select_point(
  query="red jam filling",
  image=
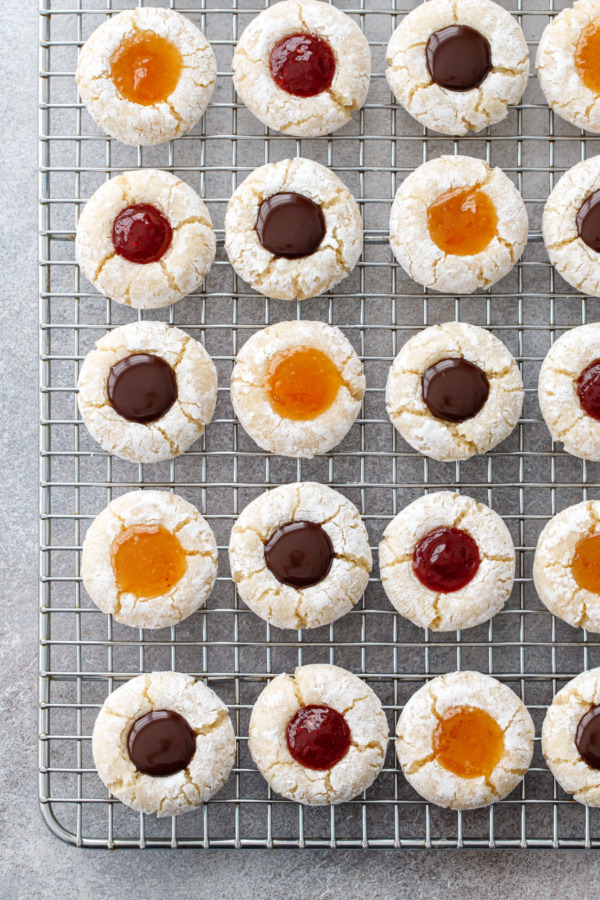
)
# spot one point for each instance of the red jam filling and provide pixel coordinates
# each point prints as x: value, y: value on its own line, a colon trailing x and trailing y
x: 588, y: 389
x: 141, y: 234
x: 318, y: 737
x: 302, y: 65
x: 446, y: 560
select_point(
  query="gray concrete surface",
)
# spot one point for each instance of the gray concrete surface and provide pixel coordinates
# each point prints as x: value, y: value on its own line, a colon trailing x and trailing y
x: 33, y: 863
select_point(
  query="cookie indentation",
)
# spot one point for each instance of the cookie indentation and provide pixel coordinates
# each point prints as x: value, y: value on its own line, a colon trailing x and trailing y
x: 587, y: 56
x: 318, y: 737
x: 588, y: 222
x: 588, y: 389
x: 161, y: 743
x: 302, y: 383
x: 585, y: 564
x: 468, y: 742
x: 462, y: 221
x: 148, y: 560
x: 302, y: 65
x: 587, y: 738
x: 146, y: 68
x: 446, y: 560
x: 290, y: 225
x: 459, y: 58
x: 455, y: 389
x: 299, y: 554
x: 141, y: 234
x: 142, y: 388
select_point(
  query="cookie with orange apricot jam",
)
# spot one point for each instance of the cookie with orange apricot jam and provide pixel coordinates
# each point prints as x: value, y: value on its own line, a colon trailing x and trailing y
x: 464, y: 740
x: 566, y: 568
x: 458, y: 225
x: 568, y: 64
x: 149, y: 559
x: 146, y: 75
x: 297, y: 387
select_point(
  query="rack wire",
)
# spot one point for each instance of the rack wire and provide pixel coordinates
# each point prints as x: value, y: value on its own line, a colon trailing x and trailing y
x: 84, y: 654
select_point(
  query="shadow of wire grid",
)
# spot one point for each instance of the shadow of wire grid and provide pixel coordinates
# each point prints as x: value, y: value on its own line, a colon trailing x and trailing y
x: 85, y: 655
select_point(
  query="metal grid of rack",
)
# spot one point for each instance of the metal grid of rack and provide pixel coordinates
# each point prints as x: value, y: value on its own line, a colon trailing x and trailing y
x: 84, y: 654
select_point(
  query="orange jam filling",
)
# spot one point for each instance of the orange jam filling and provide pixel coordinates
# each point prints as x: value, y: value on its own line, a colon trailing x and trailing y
x: 302, y: 384
x: 468, y: 742
x: 587, y: 56
x: 147, y: 560
x: 146, y: 68
x: 462, y: 221
x: 585, y: 564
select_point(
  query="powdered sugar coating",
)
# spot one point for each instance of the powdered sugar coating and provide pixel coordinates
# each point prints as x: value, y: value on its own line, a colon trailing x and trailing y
x: 294, y: 279
x: 566, y: 419
x: 454, y: 440
x: 482, y: 597
x: 250, y: 399
x: 183, y: 266
x: 209, y: 767
x: 324, y: 685
x: 574, y: 260
x: 569, y: 706
x: 280, y: 604
x: 552, y: 573
x: 302, y: 116
x: 191, y: 530
x: 134, y: 123
x: 559, y: 79
x: 421, y: 257
x: 184, y: 422
x: 417, y: 724
x: 458, y: 112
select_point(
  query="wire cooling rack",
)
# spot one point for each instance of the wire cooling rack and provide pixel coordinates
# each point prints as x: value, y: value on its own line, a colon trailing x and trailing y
x: 84, y: 654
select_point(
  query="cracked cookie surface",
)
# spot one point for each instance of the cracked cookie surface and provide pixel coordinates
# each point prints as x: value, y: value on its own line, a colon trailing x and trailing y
x: 490, y: 586
x: 207, y: 770
x: 250, y: 399
x: 150, y: 508
x: 184, y: 264
x: 415, y: 740
x: 294, y: 115
x: 576, y: 261
x: 552, y: 570
x: 344, y: 692
x: 423, y: 259
x: 134, y: 123
x: 291, y: 279
x: 558, y: 74
x: 448, y: 440
x: 181, y: 425
x: 563, y: 413
x: 285, y: 605
x: 452, y: 111
x: 559, y: 731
